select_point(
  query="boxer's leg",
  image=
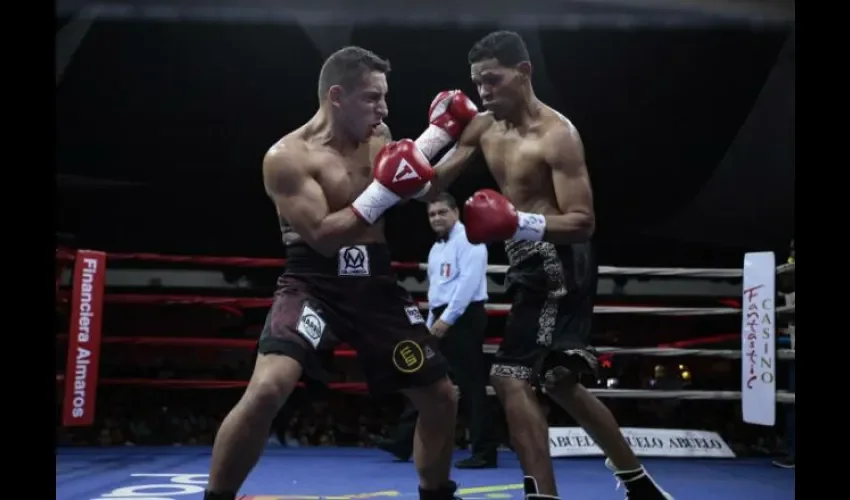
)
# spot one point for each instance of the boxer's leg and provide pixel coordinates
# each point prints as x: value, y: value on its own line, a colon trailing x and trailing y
x: 403, y: 357
x: 294, y: 327
x: 511, y: 375
x: 562, y: 372
x: 594, y: 417
x: 245, y: 430
x: 527, y: 426
x: 433, y: 442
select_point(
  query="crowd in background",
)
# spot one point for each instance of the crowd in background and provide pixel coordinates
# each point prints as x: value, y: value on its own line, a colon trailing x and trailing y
x: 315, y: 416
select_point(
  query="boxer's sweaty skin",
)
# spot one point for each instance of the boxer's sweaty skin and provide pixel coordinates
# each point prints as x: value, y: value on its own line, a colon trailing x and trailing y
x: 525, y: 162
x: 536, y: 158
x: 338, y: 178
x: 519, y: 160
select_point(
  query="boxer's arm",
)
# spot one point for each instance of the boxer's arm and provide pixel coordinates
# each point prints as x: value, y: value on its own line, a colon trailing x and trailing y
x: 564, y: 152
x: 301, y: 201
x: 458, y: 158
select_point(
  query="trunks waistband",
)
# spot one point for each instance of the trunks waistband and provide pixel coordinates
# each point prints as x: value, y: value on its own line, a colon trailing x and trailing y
x: 365, y: 260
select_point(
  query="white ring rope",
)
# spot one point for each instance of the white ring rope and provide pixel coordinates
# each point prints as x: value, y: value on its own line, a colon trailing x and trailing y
x: 781, y: 396
x: 663, y: 352
x: 657, y: 311
x: 655, y: 271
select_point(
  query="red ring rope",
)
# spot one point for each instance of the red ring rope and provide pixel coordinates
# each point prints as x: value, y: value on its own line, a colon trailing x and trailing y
x: 68, y: 255
x: 222, y: 302
x: 84, y: 335
x: 207, y: 384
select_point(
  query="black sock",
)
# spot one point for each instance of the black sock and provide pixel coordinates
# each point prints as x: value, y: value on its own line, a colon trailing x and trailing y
x: 444, y: 492
x: 628, y: 476
x: 218, y: 495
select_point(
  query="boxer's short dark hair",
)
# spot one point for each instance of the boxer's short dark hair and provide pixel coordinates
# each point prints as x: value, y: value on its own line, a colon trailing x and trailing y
x: 347, y: 66
x: 507, y: 47
x: 446, y: 198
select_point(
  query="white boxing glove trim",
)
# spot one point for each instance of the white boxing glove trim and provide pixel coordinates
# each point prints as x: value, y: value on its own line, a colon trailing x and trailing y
x: 374, y: 201
x: 432, y: 141
x: 531, y: 227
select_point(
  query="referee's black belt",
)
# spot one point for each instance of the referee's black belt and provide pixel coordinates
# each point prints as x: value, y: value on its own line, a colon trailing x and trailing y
x: 437, y: 311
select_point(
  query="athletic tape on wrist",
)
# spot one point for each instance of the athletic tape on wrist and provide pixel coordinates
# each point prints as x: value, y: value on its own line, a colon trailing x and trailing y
x: 531, y: 227
x: 374, y: 201
x: 432, y: 141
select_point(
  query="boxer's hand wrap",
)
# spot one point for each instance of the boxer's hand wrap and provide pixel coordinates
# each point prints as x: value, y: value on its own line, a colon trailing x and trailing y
x: 432, y: 141
x: 373, y: 202
x: 530, y: 227
x: 450, y: 112
x: 400, y: 171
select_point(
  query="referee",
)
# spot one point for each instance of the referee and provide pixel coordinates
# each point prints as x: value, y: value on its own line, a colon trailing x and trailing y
x: 457, y: 292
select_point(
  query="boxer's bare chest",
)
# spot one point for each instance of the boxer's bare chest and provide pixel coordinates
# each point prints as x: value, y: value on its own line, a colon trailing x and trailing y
x: 518, y: 166
x: 343, y: 178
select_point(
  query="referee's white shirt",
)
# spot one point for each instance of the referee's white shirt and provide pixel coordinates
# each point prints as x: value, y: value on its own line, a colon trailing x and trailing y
x: 457, y: 275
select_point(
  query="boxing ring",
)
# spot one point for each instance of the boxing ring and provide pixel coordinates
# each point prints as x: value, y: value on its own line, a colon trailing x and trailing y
x: 168, y: 473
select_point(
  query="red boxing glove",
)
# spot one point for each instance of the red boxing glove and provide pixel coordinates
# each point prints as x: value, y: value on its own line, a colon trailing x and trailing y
x: 451, y: 110
x: 489, y: 217
x: 401, y: 171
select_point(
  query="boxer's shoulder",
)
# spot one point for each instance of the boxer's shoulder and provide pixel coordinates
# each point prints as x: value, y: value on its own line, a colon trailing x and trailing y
x: 295, y: 153
x: 286, y: 154
x: 481, y: 123
x: 555, y: 127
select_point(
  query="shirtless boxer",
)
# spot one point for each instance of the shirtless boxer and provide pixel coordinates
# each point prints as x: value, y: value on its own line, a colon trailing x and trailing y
x: 338, y: 279
x: 537, y: 159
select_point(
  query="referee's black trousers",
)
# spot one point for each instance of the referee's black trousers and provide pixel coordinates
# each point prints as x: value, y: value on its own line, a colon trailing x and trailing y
x: 462, y: 347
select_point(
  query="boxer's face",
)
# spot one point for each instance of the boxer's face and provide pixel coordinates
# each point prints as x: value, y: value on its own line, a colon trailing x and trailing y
x: 501, y: 87
x: 363, y: 108
x: 442, y: 217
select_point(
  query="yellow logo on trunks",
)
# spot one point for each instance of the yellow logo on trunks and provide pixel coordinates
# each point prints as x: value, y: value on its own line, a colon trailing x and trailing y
x: 408, y: 356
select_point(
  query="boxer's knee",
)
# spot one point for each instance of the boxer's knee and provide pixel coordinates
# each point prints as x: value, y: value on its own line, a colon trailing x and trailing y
x: 565, y: 370
x: 559, y: 379
x: 273, y: 380
x: 510, y: 380
x: 438, y: 398
x: 505, y: 373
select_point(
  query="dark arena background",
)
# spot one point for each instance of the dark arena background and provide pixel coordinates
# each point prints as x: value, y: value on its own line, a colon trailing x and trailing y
x: 165, y: 110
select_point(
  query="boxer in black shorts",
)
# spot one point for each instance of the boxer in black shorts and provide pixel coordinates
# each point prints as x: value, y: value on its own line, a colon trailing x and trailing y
x: 545, y: 215
x: 353, y: 297
x: 552, y: 288
x: 331, y: 180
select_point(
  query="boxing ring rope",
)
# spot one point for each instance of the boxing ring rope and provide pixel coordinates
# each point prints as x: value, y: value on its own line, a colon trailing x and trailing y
x: 66, y: 256
x: 490, y: 347
x: 781, y: 396
x: 493, y: 309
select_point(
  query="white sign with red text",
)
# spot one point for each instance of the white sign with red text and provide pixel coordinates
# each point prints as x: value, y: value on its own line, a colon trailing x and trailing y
x: 758, y: 339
